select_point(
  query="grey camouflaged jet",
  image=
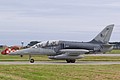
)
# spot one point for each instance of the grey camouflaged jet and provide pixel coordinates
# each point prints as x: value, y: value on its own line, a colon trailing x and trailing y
x: 70, y: 50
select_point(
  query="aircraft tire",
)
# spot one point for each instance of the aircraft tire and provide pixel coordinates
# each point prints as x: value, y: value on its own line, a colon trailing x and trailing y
x: 21, y: 55
x: 31, y: 60
x: 73, y: 61
x: 68, y: 60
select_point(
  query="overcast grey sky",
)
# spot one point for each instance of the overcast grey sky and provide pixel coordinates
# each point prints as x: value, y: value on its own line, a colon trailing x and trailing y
x: 79, y: 20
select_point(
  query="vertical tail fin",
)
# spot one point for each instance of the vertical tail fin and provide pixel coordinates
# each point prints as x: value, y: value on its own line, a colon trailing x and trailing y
x: 104, y: 35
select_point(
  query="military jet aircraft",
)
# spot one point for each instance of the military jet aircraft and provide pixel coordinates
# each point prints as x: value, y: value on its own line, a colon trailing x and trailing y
x: 70, y: 50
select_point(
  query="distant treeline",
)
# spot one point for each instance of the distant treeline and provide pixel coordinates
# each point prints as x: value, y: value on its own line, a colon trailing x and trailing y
x: 116, y: 45
x: 1, y: 46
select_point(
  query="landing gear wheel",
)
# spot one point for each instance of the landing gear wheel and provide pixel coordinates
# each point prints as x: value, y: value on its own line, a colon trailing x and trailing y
x: 73, y: 61
x: 21, y: 55
x: 70, y: 61
x: 31, y: 60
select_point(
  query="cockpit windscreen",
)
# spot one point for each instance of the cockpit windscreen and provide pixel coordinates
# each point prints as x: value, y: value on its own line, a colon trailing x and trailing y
x: 46, y: 44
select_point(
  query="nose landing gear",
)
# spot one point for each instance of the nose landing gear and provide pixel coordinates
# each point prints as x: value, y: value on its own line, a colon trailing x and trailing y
x: 31, y: 60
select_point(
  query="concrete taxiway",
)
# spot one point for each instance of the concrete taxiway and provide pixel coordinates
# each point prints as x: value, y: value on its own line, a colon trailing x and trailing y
x: 62, y: 63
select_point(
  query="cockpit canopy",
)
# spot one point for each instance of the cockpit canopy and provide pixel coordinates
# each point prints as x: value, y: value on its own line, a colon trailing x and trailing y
x: 46, y: 44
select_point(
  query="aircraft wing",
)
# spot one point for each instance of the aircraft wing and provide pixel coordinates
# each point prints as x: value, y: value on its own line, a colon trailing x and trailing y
x: 70, y: 54
x: 74, y: 52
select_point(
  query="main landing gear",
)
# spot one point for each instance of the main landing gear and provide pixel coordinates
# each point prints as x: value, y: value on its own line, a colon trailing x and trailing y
x: 31, y: 60
x: 70, y: 60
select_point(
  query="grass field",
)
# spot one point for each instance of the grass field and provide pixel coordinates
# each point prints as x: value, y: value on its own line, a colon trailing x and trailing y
x: 59, y: 72
x: 114, y: 52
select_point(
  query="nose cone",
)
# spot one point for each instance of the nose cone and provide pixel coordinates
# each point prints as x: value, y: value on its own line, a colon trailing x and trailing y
x: 20, y: 52
x: 34, y: 51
